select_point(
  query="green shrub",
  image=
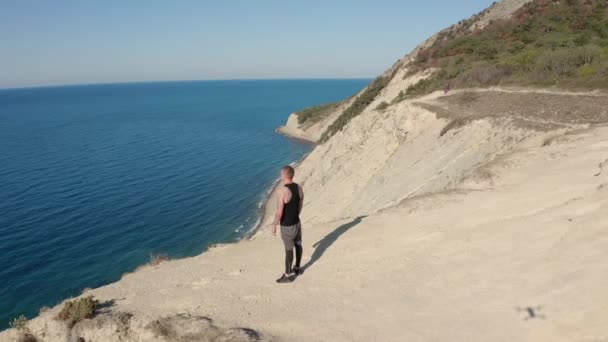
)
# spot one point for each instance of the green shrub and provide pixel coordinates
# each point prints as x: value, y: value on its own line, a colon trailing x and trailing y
x: 560, y: 42
x: 517, y: 46
x: 581, y: 40
x: 487, y: 50
x: 75, y: 311
x: 420, y: 87
x: 524, y: 61
x: 564, y: 63
x: 586, y: 71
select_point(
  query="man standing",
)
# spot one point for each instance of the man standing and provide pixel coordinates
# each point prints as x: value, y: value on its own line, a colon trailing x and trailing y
x: 289, y: 206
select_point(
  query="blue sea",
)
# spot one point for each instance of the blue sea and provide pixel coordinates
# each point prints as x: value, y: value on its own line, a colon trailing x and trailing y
x: 95, y: 179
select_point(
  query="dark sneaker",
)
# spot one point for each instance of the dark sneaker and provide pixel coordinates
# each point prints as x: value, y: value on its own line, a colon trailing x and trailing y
x: 296, y: 270
x: 284, y: 279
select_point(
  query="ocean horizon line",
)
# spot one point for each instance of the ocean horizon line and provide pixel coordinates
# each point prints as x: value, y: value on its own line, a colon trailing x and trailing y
x: 93, y: 84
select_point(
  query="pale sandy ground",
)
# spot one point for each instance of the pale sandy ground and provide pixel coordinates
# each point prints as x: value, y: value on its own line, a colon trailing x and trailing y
x: 456, y: 266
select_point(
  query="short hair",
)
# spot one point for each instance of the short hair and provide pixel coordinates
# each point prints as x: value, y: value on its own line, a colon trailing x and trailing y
x: 289, y: 171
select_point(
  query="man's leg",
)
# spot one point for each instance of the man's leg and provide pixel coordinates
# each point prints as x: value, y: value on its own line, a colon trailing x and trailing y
x: 298, y: 256
x: 287, y: 235
x: 288, y: 261
x: 298, y: 245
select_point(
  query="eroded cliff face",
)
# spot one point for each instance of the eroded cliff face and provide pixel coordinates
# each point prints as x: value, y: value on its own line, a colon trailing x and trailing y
x: 312, y: 131
x: 433, y: 143
x: 425, y: 145
x: 385, y: 156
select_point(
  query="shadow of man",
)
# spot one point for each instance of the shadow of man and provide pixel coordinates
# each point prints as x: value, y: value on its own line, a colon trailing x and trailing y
x: 322, y: 245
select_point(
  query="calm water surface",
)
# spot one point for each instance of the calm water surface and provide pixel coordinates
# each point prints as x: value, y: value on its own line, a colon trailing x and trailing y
x: 94, y: 179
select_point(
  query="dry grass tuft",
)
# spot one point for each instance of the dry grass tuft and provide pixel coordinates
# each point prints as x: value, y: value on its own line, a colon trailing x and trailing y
x: 77, y: 310
x: 25, y: 335
x: 19, y: 323
x: 185, y: 327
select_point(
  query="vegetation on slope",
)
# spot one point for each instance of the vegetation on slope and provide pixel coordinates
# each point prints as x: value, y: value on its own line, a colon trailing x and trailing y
x: 316, y: 113
x: 24, y: 333
x: 546, y: 42
x: 76, y: 310
x: 360, y: 103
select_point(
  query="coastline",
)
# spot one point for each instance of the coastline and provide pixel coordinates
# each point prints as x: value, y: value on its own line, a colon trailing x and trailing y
x: 264, y: 209
x: 300, y: 138
x: 263, y: 206
x: 292, y: 130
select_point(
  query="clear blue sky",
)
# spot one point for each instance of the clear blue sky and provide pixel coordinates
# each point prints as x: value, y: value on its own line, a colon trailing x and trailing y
x: 70, y: 42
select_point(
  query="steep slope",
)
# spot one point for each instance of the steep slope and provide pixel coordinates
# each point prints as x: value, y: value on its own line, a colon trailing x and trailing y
x: 312, y: 130
x: 431, y: 145
x: 544, y: 43
x: 408, y: 141
x: 400, y: 69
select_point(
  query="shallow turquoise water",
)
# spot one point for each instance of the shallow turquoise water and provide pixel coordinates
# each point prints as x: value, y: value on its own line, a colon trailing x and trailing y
x: 94, y: 179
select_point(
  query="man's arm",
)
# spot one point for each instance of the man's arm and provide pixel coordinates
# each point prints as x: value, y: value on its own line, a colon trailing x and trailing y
x: 279, y: 213
x: 301, y: 199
